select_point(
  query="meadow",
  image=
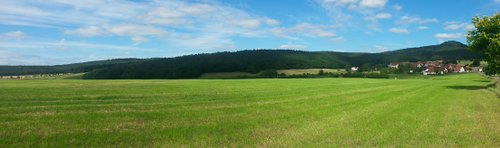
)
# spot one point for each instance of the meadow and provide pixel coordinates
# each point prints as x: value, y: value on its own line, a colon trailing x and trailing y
x: 309, y: 71
x: 446, y: 111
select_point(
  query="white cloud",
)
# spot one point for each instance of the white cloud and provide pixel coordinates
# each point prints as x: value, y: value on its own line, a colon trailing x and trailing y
x: 345, y: 13
x: 313, y: 30
x: 139, y: 39
x: 121, y: 30
x: 416, y: 20
x: 497, y: 1
x: 92, y: 18
x: 399, y: 30
x: 250, y: 23
x: 397, y: 7
x: 271, y: 22
x: 136, y: 30
x: 89, y: 31
x: 337, y: 39
x: 423, y: 28
x: 206, y: 42
x: 14, y: 35
x: 177, y: 13
x: 446, y: 36
x: 288, y: 46
x: 12, y: 58
x: 373, y: 3
x: 304, y: 30
x: 458, y: 25
x: 379, y: 48
x: 70, y: 45
x: 383, y: 16
x: 340, y: 2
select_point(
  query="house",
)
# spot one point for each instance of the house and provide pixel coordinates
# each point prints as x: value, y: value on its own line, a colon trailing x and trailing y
x: 450, y: 66
x: 433, y: 63
x: 419, y: 64
x: 432, y: 70
x: 458, y: 69
x: 354, y: 69
x: 393, y: 65
x: 477, y: 69
x: 429, y: 71
x: 416, y: 64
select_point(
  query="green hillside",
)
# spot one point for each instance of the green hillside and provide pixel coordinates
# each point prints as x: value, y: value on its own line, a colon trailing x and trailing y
x: 68, y: 68
x: 254, y: 61
x: 250, y: 61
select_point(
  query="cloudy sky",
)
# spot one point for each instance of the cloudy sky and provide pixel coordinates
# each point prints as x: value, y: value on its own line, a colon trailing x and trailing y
x: 48, y: 32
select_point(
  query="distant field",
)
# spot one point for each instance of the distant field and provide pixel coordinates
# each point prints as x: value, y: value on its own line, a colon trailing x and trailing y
x: 226, y: 75
x: 308, y: 71
x: 447, y: 111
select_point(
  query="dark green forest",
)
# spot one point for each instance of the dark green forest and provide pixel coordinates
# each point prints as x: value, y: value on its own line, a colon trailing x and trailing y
x: 252, y: 61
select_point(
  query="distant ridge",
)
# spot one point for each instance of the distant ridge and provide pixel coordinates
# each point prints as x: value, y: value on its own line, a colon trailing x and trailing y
x: 252, y: 61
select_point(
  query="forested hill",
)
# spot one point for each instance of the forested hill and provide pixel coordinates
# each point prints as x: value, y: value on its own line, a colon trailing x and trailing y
x: 253, y: 61
x: 68, y: 68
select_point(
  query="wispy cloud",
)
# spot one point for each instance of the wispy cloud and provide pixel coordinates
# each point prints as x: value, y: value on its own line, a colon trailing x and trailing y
x: 415, y: 20
x: 399, y: 30
x: 423, y: 28
x: 337, y: 39
x: 441, y: 37
x: 304, y: 30
x: 17, y: 35
x: 458, y: 25
x: 55, y: 45
x: 345, y: 12
x: 379, y: 48
x: 383, y: 16
x: 373, y: 3
x: 397, y: 7
x: 289, y: 46
x: 88, y: 31
x: 91, y: 18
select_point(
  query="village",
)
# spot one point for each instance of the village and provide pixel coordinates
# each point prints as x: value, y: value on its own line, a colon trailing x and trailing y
x: 37, y: 76
x: 438, y: 67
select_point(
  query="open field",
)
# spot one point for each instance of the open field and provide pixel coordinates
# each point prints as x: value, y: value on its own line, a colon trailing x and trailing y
x: 308, y: 71
x: 227, y: 75
x: 447, y: 111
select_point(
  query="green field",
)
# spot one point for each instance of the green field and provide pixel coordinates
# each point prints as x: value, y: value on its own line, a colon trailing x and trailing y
x: 227, y: 75
x: 447, y: 111
x: 309, y: 71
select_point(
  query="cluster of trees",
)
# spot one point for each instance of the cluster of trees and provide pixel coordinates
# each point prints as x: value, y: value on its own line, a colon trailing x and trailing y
x: 485, y: 39
x: 57, y: 69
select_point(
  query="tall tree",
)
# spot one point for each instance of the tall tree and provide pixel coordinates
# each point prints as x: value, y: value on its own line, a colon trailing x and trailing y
x: 486, y: 40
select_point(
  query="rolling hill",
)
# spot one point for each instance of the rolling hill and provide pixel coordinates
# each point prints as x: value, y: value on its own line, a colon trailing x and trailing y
x: 252, y: 61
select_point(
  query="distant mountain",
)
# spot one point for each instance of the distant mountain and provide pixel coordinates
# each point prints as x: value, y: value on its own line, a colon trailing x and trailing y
x: 253, y: 61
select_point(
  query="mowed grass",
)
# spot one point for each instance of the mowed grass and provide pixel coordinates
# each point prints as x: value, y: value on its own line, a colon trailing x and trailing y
x: 450, y: 111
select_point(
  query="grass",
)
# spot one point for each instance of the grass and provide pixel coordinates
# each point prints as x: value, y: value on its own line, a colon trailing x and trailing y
x: 447, y: 111
x: 227, y: 75
x: 308, y: 71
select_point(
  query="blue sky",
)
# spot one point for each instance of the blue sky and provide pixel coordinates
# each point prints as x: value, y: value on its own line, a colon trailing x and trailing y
x: 49, y: 32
